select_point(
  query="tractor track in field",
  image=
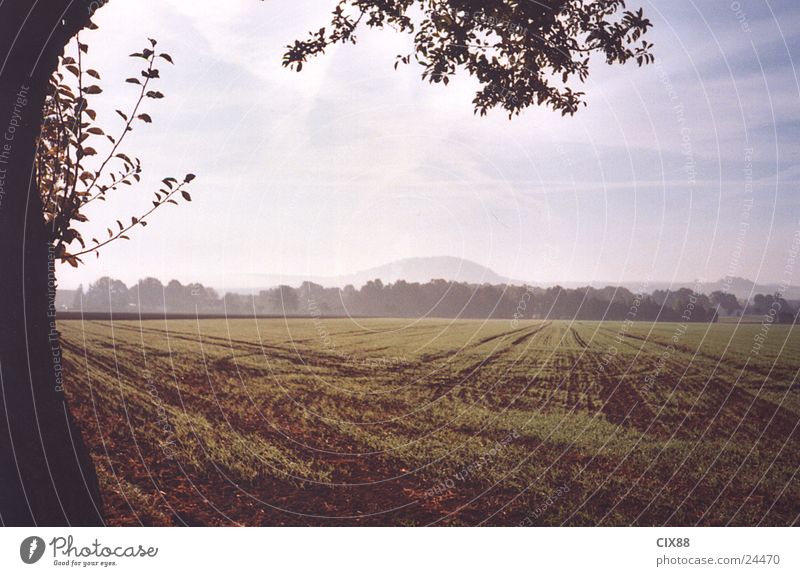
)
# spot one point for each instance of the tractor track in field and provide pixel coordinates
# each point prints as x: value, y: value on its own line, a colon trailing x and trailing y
x: 721, y: 396
x: 729, y: 364
x: 243, y: 348
x: 581, y: 342
x: 530, y: 334
x: 499, y: 386
x: 621, y: 402
x: 500, y: 350
x: 433, y: 358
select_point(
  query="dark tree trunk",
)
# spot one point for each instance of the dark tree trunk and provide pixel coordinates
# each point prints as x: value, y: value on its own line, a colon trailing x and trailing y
x: 46, y: 474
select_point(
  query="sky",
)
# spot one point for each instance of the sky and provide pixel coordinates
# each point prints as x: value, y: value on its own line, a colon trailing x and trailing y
x: 683, y: 170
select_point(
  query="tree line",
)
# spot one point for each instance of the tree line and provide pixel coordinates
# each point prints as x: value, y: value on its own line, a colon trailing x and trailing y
x: 437, y: 298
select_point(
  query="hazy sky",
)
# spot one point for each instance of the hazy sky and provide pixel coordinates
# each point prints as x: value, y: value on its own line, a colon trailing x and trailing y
x: 351, y: 164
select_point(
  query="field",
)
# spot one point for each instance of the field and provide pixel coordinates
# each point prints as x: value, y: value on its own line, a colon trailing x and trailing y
x: 403, y: 422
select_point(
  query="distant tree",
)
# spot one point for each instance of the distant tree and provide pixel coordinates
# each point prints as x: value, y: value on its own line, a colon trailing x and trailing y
x: 785, y: 313
x: 726, y: 301
x: 773, y: 307
x: 370, y: 297
x: 202, y: 298
x: 236, y: 304
x: 176, y: 297
x: 264, y: 301
x: 761, y: 303
x: 286, y: 299
x: 106, y: 295
x: 77, y: 299
x: 148, y: 294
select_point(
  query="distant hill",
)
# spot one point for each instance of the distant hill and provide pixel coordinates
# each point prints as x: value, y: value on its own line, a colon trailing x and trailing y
x: 409, y: 269
x: 424, y: 270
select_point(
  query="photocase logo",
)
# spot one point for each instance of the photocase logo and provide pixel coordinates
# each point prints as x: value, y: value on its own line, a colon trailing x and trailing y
x: 31, y: 550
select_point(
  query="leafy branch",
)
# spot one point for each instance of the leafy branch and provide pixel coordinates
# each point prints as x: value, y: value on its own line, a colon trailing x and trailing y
x: 71, y: 173
x: 163, y: 196
x: 521, y: 53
